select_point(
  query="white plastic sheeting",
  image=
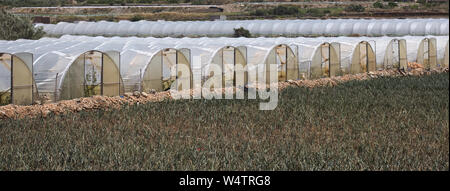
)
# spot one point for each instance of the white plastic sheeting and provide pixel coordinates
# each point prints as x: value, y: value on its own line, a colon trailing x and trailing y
x: 443, y: 53
x: 5, y: 67
x: 5, y: 77
x: 136, y: 54
x: 54, y: 55
x: 16, y: 78
x: 329, y: 27
x: 52, y: 58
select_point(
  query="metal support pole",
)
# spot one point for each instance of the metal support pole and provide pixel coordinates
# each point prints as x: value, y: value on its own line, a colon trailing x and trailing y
x: 12, y: 80
x: 140, y: 80
x: 101, y: 75
x: 56, y: 88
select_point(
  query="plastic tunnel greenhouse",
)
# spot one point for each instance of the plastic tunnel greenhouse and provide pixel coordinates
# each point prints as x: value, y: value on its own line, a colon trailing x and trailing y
x: 158, y: 73
x: 16, y: 78
x: 158, y: 69
x: 285, y: 60
x: 319, y: 59
x: 358, y: 57
x: 77, y: 66
x: 145, y: 65
x: 70, y: 69
x: 210, y: 56
x: 263, y: 54
x: 227, y: 59
x: 327, y: 27
x: 150, y: 63
x: 426, y: 52
x: 396, y: 54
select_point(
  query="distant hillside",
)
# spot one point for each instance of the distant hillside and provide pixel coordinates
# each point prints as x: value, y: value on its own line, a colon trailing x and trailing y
x: 113, y: 10
x: 56, y: 3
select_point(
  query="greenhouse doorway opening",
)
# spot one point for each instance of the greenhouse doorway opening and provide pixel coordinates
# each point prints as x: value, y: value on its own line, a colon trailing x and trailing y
x: 167, y: 68
x: 427, y: 53
x: 232, y: 62
x: 286, y: 63
x: 16, y: 79
x: 92, y: 73
x: 363, y: 59
x: 395, y: 55
x: 326, y: 61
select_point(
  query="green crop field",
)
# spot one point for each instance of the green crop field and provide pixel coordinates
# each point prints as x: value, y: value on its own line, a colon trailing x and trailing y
x: 380, y: 124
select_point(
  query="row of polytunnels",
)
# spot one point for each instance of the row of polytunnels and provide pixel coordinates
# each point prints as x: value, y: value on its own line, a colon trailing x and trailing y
x: 314, y: 27
x: 79, y: 66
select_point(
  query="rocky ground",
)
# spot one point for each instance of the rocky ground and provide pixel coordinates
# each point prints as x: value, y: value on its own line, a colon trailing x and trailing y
x: 103, y: 102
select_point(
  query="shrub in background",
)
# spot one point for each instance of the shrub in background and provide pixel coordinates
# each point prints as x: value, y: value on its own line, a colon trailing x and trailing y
x: 355, y: 8
x: 242, y: 32
x: 13, y: 27
x: 378, y: 4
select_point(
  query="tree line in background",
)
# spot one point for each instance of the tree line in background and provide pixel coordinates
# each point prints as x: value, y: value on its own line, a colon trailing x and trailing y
x: 14, y: 27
